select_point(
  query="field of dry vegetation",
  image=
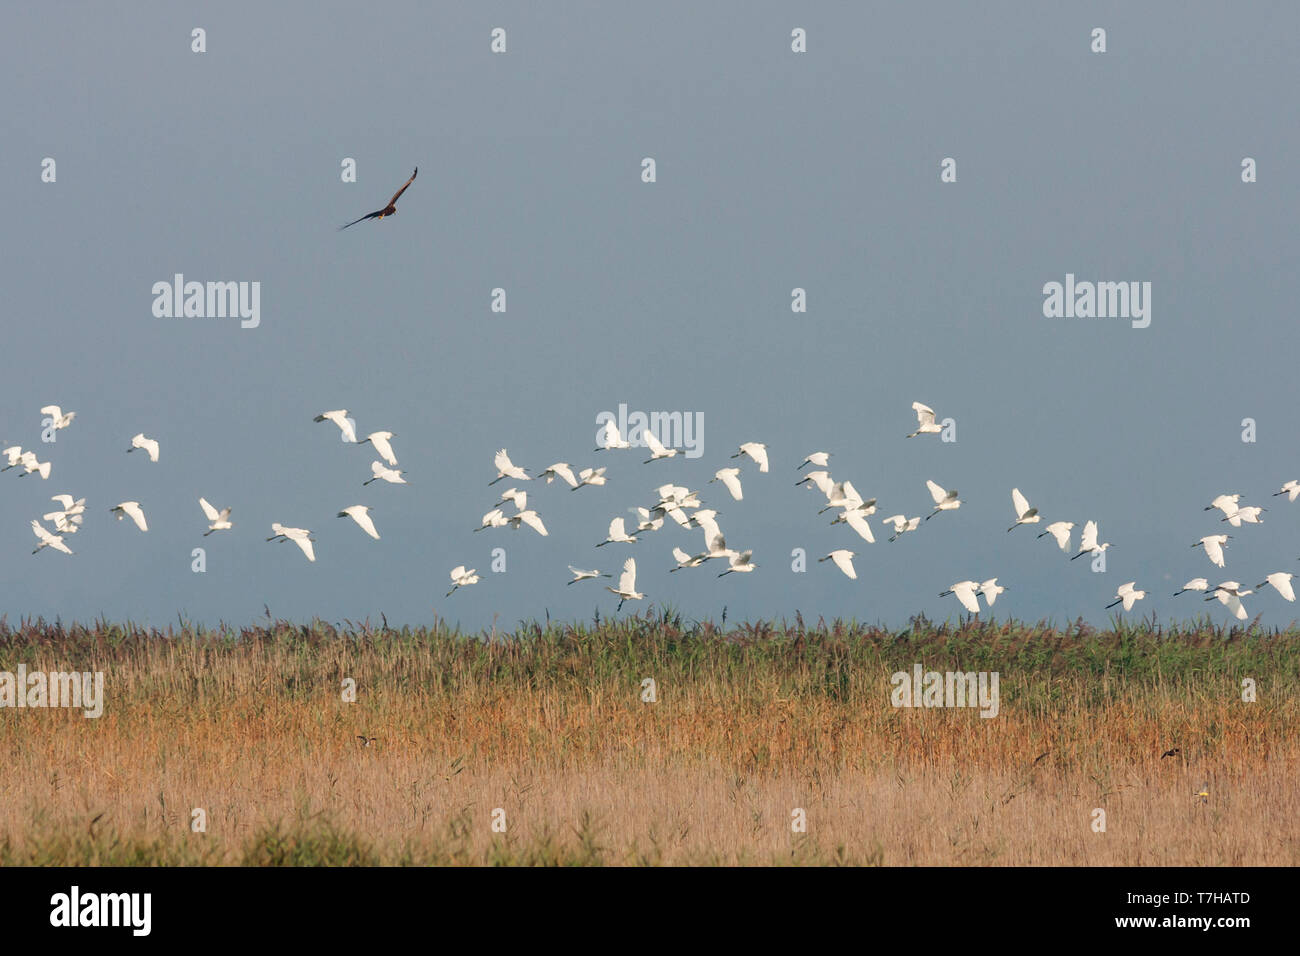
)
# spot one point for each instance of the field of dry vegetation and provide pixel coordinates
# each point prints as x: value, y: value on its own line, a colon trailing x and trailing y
x: 752, y: 721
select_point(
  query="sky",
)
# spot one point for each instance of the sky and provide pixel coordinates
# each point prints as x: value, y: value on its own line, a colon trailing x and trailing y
x: 774, y: 171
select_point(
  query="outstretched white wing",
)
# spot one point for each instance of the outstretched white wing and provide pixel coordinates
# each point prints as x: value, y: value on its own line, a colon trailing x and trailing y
x: 858, y: 522
x: 534, y: 521
x: 936, y: 492
x: 844, y: 561
x: 730, y: 479
x: 627, y: 580
x: 1020, y: 503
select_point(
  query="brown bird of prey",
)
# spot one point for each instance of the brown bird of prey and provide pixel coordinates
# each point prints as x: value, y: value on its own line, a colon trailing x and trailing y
x: 390, y: 209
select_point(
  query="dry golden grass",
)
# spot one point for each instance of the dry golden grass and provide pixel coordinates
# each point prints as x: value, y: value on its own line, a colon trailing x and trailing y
x: 549, y: 726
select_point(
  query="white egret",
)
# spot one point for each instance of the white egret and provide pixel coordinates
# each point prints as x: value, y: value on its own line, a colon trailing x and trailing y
x: 1060, y: 530
x: 1279, y: 581
x: 581, y: 575
x: 381, y: 442
x: 507, y: 469
x: 902, y: 525
x: 843, y: 559
x: 965, y: 592
x: 685, y: 560
x: 1291, y: 489
x: 391, y: 475
x: 657, y: 449
x: 132, y: 510
x: 299, y: 536
x: 1088, y: 543
x: 562, y: 471
x: 991, y: 589
x: 361, y: 515
x: 1024, y: 513
x: 739, y: 562
x: 819, y: 458
x: 755, y: 450
x: 149, y: 445
x: 495, y: 518
x: 925, y: 424
x: 57, y: 418
x: 611, y: 439
x: 943, y: 500
x: 1128, y: 595
x: 14, y: 454
x: 340, y: 418
x: 730, y: 478
x: 617, y: 534
x: 1195, y: 584
x: 530, y: 518
x: 590, y: 476
x: 460, y: 577
x: 48, y: 540
x: 1214, y: 545
x: 626, y: 590
x: 220, y: 520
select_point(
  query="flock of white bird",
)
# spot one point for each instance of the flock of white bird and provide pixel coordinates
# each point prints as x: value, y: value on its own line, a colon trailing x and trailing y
x: 68, y: 519
x: 680, y: 505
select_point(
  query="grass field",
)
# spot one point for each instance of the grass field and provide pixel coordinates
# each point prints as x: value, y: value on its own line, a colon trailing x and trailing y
x: 752, y: 721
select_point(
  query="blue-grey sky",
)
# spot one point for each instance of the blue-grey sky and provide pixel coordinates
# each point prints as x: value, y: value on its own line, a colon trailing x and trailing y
x: 775, y: 170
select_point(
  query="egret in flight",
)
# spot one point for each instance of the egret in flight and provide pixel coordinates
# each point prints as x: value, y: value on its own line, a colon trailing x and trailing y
x: 626, y: 590
x: 132, y: 510
x: 219, y: 520
x: 1088, y: 543
x: 361, y: 515
x: 149, y: 445
x: 843, y: 559
x: 1128, y: 595
x: 1060, y: 530
x: 299, y: 536
x: 507, y: 469
x: 755, y: 450
x: 925, y: 424
x: 57, y: 418
x: 1024, y: 513
x: 460, y: 577
x: 965, y: 592
x: 340, y: 418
